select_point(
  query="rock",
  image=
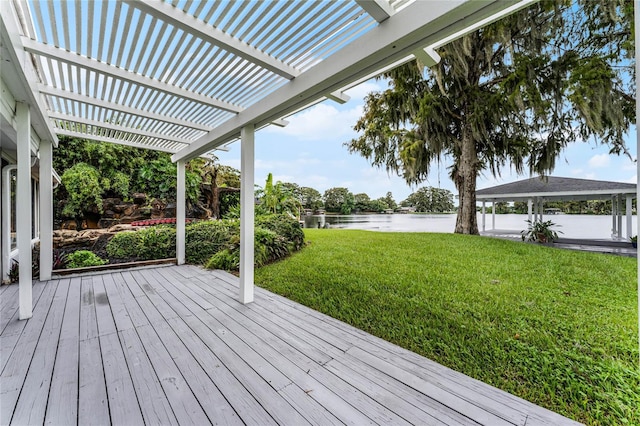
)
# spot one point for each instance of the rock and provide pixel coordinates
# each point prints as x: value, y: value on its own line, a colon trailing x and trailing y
x: 108, y: 214
x: 107, y: 222
x: 69, y: 224
x: 120, y: 227
x: 110, y: 203
x: 170, y: 210
x: 139, y: 198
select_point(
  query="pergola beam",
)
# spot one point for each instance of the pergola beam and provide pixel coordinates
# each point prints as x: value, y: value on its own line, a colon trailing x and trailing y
x: 64, y: 56
x: 65, y: 94
x: 114, y: 127
x: 99, y: 138
x: 380, y: 10
x: 173, y: 16
x: 417, y: 25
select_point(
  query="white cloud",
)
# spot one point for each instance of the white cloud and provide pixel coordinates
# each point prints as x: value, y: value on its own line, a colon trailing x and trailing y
x: 600, y: 161
x: 360, y: 91
x: 320, y: 122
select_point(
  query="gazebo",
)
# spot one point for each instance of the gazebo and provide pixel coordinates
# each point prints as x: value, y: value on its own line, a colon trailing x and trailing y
x: 536, y: 191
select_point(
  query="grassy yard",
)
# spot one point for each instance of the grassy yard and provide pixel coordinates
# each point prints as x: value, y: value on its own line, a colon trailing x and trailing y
x: 556, y: 327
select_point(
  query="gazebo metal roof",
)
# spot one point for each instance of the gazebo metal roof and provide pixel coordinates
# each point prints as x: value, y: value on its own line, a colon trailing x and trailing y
x: 184, y: 76
x: 556, y: 188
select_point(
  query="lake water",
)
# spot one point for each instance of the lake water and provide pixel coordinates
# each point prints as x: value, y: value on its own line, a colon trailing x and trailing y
x: 572, y: 226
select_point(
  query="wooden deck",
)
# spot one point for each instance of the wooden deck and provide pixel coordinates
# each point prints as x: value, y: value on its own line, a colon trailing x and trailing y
x: 171, y: 345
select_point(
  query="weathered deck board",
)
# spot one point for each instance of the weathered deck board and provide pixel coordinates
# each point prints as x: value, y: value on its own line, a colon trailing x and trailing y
x: 32, y: 403
x: 64, y: 383
x: 17, y: 366
x: 171, y: 345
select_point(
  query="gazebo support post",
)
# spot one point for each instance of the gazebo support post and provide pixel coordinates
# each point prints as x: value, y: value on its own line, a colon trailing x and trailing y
x: 483, y: 214
x: 493, y: 215
x: 247, y: 211
x: 619, y: 214
x: 629, y: 216
x: 529, y: 208
x: 181, y: 207
x: 46, y: 209
x: 614, y: 222
x: 23, y: 208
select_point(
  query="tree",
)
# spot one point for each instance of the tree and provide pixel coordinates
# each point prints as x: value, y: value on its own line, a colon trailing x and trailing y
x: 516, y: 92
x: 279, y: 198
x: 82, y: 183
x: 338, y: 200
x: 361, y: 202
x: 379, y: 205
x: 391, y: 203
x: 432, y: 200
x: 310, y: 198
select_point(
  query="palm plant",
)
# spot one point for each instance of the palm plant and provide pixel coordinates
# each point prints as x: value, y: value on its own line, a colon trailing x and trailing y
x: 276, y: 198
x: 541, y: 232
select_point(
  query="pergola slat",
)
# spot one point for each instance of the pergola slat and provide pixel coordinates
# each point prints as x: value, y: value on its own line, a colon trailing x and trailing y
x: 213, y: 35
x: 99, y: 67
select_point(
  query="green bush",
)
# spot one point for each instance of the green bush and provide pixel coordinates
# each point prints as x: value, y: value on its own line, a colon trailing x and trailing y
x: 83, y: 258
x: 269, y: 246
x: 82, y: 183
x: 124, y: 245
x: 206, y: 238
x: 227, y: 259
x: 285, y: 226
x: 157, y: 242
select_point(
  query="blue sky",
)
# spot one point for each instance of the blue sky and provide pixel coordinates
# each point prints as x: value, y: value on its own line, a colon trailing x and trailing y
x: 310, y: 152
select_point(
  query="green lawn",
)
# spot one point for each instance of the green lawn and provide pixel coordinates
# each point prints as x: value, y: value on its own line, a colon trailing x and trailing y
x: 556, y: 327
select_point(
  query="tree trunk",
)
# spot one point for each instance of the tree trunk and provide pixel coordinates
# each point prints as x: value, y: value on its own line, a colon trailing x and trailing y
x: 465, y: 179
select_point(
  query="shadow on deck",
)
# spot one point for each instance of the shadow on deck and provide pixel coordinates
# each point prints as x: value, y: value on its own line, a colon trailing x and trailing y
x: 171, y: 345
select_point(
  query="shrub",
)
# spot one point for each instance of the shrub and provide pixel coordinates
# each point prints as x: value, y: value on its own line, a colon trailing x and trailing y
x: 124, y: 245
x: 204, y: 239
x: 82, y: 183
x: 227, y: 259
x: 84, y: 258
x: 285, y: 226
x: 157, y: 242
x: 268, y: 247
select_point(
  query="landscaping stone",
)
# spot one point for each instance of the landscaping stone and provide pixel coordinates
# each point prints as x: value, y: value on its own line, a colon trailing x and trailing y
x: 139, y: 198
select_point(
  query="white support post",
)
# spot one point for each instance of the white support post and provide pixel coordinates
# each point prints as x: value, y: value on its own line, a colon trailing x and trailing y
x: 619, y: 214
x: 6, y: 220
x: 181, y: 207
x: 493, y: 215
x: 614, y: 223
x: 629, y: 216
x: 23, y: 208
x: 541, y: 209
x: 247, y: 212
x: 484, y: 211
x: 529, y: 208
x: 46, y: 209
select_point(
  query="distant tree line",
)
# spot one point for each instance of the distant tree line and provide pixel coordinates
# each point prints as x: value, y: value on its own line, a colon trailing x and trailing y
x: 342, y: 200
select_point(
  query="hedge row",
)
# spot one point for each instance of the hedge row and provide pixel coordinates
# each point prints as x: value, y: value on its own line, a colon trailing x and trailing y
x: 214, y: 243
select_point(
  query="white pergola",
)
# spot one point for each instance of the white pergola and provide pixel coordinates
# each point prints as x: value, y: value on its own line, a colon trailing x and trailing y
x: 187, y: 77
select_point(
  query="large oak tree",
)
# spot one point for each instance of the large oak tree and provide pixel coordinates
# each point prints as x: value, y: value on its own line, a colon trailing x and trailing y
x: 514, y: 93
